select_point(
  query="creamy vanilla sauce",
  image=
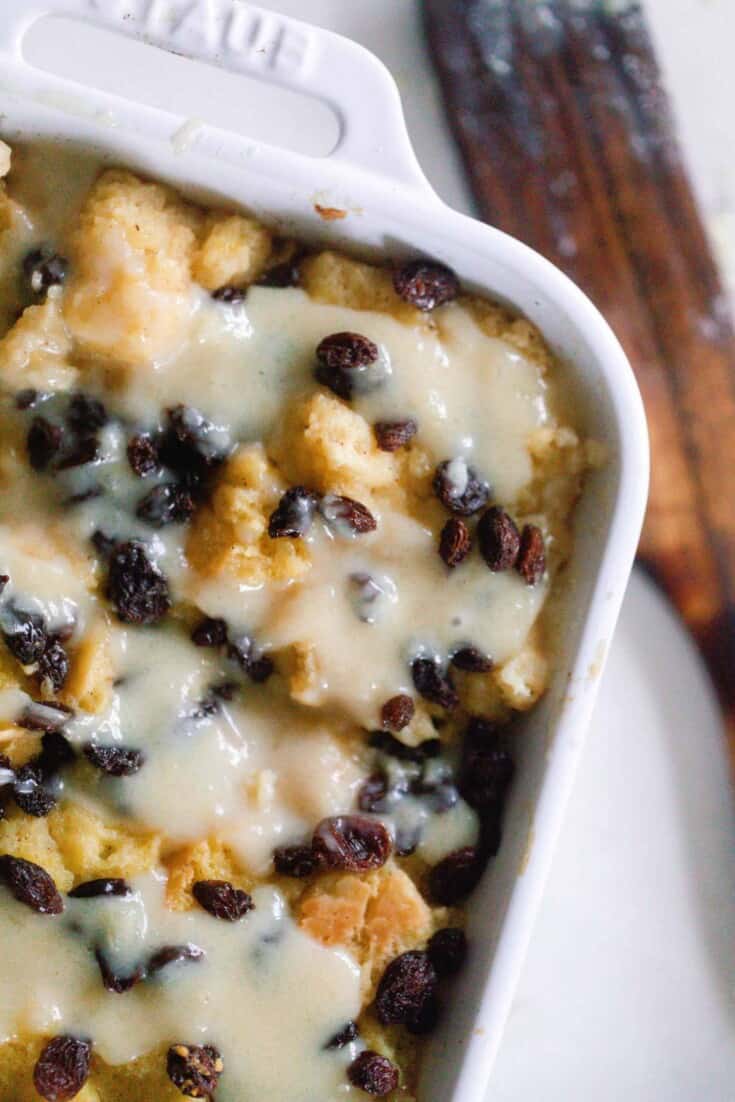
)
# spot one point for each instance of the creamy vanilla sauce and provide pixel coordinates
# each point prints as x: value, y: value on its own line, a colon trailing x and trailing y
x: 264, y: 993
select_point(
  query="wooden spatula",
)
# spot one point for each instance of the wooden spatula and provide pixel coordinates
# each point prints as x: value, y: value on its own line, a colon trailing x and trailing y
x: 569, y: 144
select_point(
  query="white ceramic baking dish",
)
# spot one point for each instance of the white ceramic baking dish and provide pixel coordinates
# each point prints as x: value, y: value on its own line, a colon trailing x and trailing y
x: 372, y: 174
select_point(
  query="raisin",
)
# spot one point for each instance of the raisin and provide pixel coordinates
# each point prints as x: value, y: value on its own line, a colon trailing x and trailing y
x: 85, y: 450
x: 392, y: 435
x: 231, y: 296
x: 293, y: 515
x: 209, y: 632
x: 62, y: 1068
x: 89, y: 494
x: 344, y: 360
x: 454, y: 877
x: 104, y: 886
x: 137, y: 588
x: 113, y: 981
x: 407, y: 984
x: 26, y: 398
x: 531, y: 561
x: 142, y: 454
x: 364, y: 592
x: 56, y: 753
x: 167, y: 503
x: 373, y: 792
x: 53, y: 667
x: 256, y: 665
x: 103, y: 543
x: 172, y: 954
x: 498, y: 538
x: 351, y: 843
x: 32, y: 885
x: 440, y: 796
x: 471, y: 660
x: 346, y: 1036
x: 385, y: 742
x: 26, y: 638
x: 397, y: 712
x: 222, y: 899
x: 30, y: 795
x: 373, y: 1073
x: 189, y: 447
x: 286, y: 274
x: 447, y: 950
x: 425, y: 283
x: 86, y: 414
x: 194, y: 1069
x: 116, y: 761
x: 39, y: 716
x: 298, y: 861
x: 432, y: 684
x: 4, y: 579
x: 44, y: 268
x: 455, y: 542
x: 487, y: 768
x: 347, y: 516
x: 459, y: 487
x: 43, y: 443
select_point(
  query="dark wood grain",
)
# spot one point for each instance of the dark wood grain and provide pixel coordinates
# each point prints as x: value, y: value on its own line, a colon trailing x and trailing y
x: 568, y: 140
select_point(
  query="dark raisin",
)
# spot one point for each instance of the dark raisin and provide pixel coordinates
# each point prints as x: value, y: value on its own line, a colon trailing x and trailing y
x: 137, y: 588
x: 498, y: 538
x: 53, y: 667
x: 231, y: 296
x: 103, y: 543
x: 293, y: 515
x: 385, y: 742
x: 392, y: 435
x: 287, y: 274
x: 116, y: 761
x: 26, y: 399
x: 167, y: 503
x: 373, y: 1073
x: 346, y: 1036
x: 89, y: 494
x: 347, y: 516
x: 344, y: 360
x: 222, y: 899
x: 407, y: 839
x: 104, y: 886
x: 406, y: 986
x: 190, y: 447
x: 455, y: 542
x: 211, y: 704
x: 471, y: 660
x: 447, y: 950
x: 351, y: 843
x: 30, y: 884
x: 115, y: 983
x: 39, y: 716
x: 425, y: 284
x: 257, y: 666
x: 298, y: 861
x: 487, y: 768
x: 373, y: 792
x: 44, y: 268
x: 4, y: 579
x: 85, y: 450
x: 143, y: 454
x: 456, y: 876
x: 26, y: 636
x: 172, y: 954
x: 439, y: 796
x: 86, y: 414
x: 364, y: 592
x: 62, y: 1069
x: 397, y: 712
x: 459, y: 487
x: 43, y: 443
x: 531, y: 561
x: 56, y: 753
x: 194, y: 1069
x: 432, y: 684
x: 30, y: 795
x: 209, y: 632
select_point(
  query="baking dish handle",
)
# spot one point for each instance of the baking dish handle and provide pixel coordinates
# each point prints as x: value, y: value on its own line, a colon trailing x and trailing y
x: 263, y: 44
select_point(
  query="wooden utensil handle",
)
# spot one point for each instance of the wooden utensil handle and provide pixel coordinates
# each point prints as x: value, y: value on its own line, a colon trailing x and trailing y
x: 569, y: 143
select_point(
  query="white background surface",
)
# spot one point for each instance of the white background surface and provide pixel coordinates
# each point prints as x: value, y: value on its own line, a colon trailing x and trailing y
x: 629, y: 989
x: 628, y: 992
